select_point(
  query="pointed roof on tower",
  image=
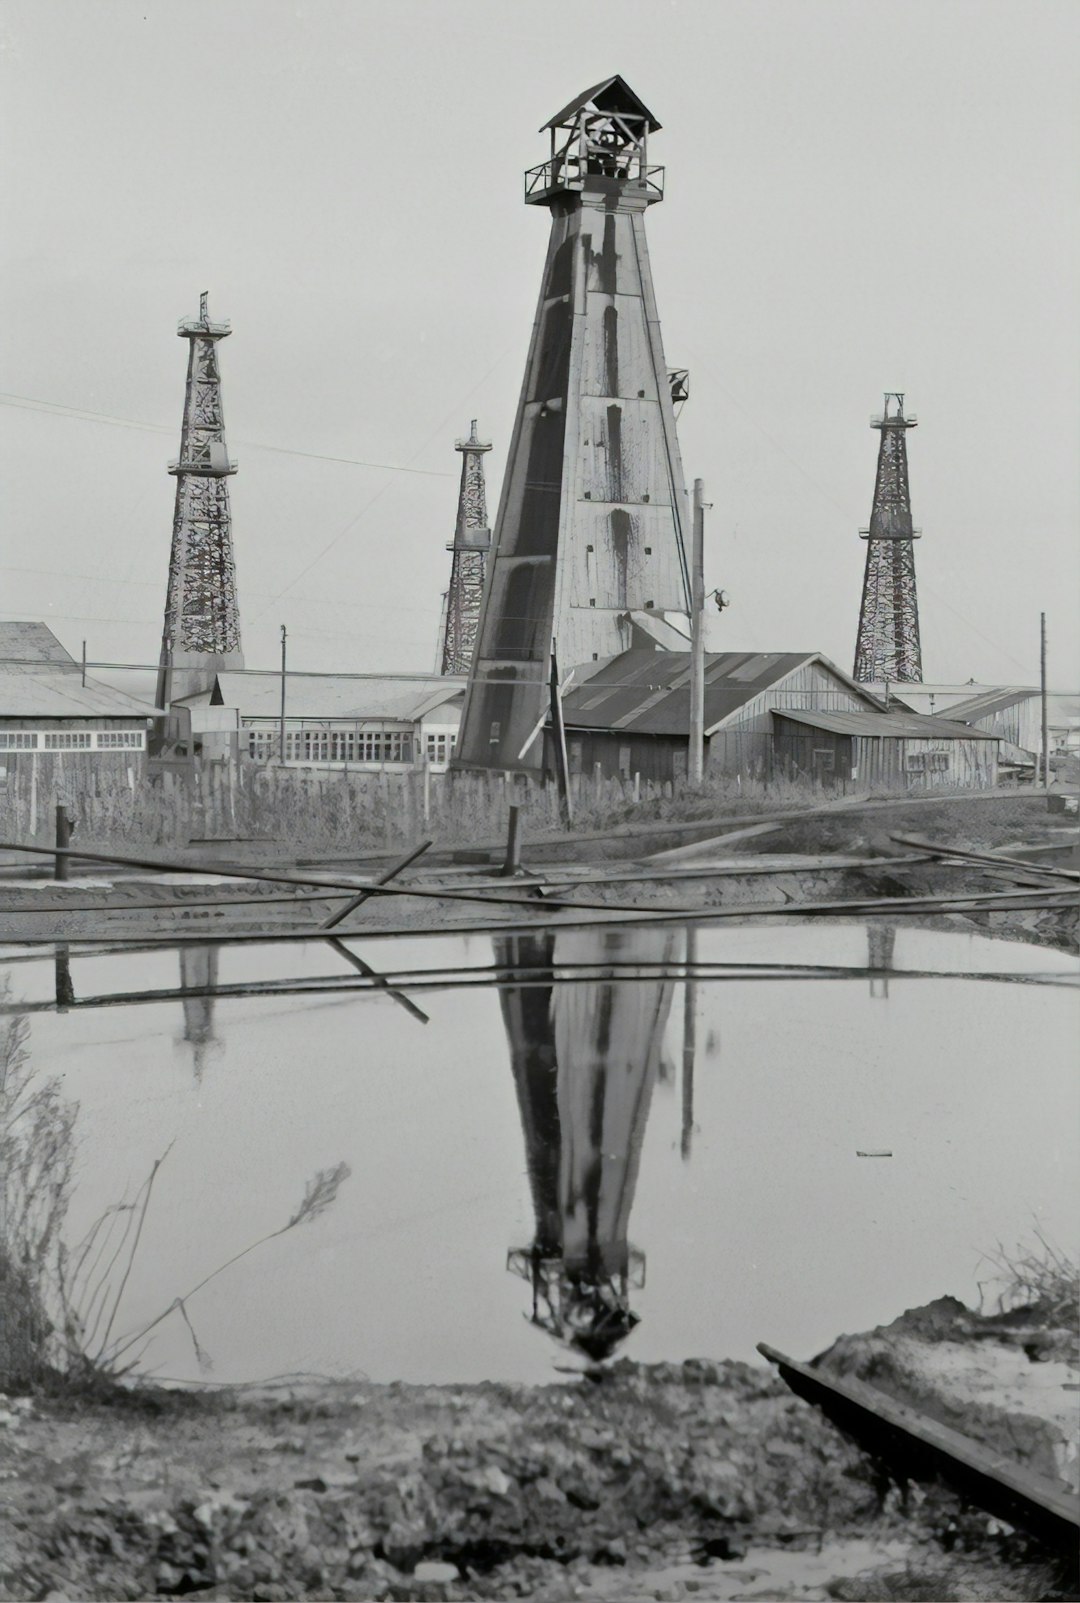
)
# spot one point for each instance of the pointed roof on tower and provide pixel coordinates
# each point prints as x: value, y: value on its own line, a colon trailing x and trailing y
x: 612, y: 95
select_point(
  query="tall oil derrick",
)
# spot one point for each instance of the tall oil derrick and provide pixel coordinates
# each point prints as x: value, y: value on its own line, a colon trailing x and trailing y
x: 887, y: 647
x: 202, y: 622
x: 585, y: 1059
x: 590, y: 523
x: 470, y: 545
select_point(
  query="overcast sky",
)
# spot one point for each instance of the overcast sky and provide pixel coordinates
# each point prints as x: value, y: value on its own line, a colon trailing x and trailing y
x: 860, y: 197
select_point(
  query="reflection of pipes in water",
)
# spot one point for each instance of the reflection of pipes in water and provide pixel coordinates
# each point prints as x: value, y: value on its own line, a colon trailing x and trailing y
x: 689, y: 1042
x: 881, y: 940
x: 199, y: 972
x: 65, y: 986
x: 584, y: 1059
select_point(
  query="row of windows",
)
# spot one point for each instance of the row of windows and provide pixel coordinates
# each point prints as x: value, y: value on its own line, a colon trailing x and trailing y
x: 72, y: 740
x: 346, y: 746
x: 927, y: 762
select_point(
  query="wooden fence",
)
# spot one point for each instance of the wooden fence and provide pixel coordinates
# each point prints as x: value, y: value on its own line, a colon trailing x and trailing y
x: 312, y: 810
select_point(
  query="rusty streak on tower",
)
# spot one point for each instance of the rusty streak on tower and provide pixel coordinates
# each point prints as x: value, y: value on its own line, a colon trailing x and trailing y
x: 470, y: 545
x: 202, y: 622
x: 888, y: 645
x: 590, y: 524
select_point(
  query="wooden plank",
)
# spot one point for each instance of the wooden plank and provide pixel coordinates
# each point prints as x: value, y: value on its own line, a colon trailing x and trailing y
x: 384, y: 879
x: 918, y: 1446
x: 940, y: 849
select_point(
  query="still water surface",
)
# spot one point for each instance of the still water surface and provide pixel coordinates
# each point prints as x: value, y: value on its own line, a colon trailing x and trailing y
x: 543, y: 1170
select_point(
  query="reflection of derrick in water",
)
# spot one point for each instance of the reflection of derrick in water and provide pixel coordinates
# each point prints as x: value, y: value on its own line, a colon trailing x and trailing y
x: 199, y: 972
x: 585, y: 1058
x: 881, y: 942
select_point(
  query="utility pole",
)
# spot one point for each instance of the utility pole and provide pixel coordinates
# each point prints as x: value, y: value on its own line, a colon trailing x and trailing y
x: 1042, y: 697
x: 696, y: 762
x: 281, y: 730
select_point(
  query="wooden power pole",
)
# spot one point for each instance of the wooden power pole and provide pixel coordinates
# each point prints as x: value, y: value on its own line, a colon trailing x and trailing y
x: 281, y: 721
x: 1042, y: 696
x: 695, y: 769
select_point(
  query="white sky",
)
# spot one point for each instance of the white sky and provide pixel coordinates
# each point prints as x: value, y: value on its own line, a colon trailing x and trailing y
x: 860, y: 197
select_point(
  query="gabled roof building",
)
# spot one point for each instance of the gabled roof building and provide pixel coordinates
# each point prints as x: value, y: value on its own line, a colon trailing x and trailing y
x: 50, y: 710
x: 766, y: 713
x: 334, y: 720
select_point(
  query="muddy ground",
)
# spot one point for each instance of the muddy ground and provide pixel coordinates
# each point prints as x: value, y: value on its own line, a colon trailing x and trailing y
x: 700, y: 1480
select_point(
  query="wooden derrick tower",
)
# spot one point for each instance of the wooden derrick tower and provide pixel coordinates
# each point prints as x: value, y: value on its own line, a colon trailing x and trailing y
x: 202, y: 621
x: 470, y: 545
x: 590, y: 523
x: 888, y: 645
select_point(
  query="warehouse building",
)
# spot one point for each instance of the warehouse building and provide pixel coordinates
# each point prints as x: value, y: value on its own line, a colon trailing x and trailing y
x: 52, y: 715
x: 362, y: 721
x: 765, y: 714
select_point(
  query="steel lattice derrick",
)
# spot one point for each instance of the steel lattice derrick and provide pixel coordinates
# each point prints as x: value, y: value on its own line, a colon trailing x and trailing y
x: 202, y: 621
x: 888, y: 646
x: 470, y: 545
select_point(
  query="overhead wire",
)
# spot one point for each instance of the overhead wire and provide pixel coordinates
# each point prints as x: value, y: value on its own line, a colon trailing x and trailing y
x: 31, y: 403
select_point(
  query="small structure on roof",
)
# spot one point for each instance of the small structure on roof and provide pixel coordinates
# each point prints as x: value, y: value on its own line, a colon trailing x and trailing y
x: 766, y: 713
x: 52, y: 714
x: 370, y: 721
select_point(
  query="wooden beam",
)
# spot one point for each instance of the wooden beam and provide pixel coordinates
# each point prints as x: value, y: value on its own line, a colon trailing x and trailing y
x: 920, y: 1447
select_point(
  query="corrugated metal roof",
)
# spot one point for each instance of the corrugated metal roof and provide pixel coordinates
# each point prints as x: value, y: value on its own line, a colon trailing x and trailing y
x: 258, y: 695
x: 989, y: 702
x: 884, y: 725
x: 648, y: 692
x: 23, y: 645
x: 60, y: 694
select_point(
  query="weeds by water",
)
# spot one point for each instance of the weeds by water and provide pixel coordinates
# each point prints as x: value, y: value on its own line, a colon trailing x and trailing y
x: 1039, y: 1279
x: 61, y: 1304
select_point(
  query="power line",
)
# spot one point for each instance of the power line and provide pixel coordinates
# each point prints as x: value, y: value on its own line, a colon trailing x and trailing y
x: 465, y: 399
x: 31, y: 403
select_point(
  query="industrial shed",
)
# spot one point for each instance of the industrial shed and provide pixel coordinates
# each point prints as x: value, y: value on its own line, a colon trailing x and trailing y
x: 892, y: 749
x: 52, y: 717
x: 631, y: 714
x: 390, y: 721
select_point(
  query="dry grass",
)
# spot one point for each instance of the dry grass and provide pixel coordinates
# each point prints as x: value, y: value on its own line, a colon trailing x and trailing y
x: 1040, y: 1280
x: 311, y: 811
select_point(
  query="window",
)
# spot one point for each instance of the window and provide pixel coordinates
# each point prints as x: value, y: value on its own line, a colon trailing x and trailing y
x: 121, y: 740
x: 69, y: 740
x: 262, y: 744
x: 823, y: 760
x: 18, y: 740
x: 440, y: 747
x: 927, y: 762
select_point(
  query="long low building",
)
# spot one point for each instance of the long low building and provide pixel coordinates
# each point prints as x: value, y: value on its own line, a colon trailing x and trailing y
x: 386, y: 721
x: 52, y: 715
x: 765, y: 714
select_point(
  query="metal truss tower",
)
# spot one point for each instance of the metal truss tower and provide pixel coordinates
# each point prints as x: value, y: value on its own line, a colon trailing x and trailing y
x: 888, y: 645
x: 202, y: 622
x: 590, y: 523
x: 470, y: 545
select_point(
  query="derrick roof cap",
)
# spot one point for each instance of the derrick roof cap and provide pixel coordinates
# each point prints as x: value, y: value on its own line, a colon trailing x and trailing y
x: 612, y: 95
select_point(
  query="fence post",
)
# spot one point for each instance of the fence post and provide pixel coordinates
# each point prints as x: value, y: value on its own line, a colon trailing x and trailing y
x: 63, y: 839
x: 512, y: 864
